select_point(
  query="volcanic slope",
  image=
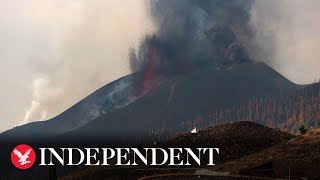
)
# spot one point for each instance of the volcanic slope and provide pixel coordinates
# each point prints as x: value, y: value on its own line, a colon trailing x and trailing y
x: 103, y: 101
x: 167, y: 107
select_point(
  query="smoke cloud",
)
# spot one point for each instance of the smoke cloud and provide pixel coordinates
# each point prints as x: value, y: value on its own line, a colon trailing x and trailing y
x: 191, y: 35
x: 197, y: 33
x: 287, y: 37
x: 56, y: 52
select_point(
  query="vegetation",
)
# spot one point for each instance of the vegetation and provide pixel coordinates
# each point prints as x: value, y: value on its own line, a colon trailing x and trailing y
x: 302, y: 129
x: 286, y: 111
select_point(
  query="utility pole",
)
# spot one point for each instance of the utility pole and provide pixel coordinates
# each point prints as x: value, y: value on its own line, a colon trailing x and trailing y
x: 289, y: 173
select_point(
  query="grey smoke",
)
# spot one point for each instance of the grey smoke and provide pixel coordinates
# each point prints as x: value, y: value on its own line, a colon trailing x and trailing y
x: 287, y: 37
x: 54, y: 53
x: 283, y: 34
x: 91, y: 55
x: 193, y: 34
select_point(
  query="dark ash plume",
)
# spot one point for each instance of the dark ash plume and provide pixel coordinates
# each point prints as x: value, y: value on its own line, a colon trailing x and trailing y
x: 191, y: 35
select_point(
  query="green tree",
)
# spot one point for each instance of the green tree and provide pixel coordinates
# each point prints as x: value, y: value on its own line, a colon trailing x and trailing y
x: 303, y: 129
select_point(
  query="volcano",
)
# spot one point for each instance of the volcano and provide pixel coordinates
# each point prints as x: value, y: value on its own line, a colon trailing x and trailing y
x: 116, y: 111
x: 103, y: 101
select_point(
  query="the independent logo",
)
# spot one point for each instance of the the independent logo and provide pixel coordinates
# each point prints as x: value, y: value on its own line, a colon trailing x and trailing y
x: 23, y: 156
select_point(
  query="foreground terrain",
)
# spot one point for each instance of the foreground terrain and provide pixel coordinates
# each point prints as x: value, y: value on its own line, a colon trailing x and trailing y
x: 246, y: 150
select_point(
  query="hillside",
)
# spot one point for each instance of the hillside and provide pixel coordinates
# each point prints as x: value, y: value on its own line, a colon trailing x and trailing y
x: 116, y: 111
x: 169, y: 107
x: 269, y: 153
x: 247, y: 150
x: 235, y: 140
x: 103, y: 101
x: 301, y: 154
x: 287, y: 111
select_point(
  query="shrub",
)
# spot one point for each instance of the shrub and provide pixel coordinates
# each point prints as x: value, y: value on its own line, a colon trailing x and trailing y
x: 303, y: 129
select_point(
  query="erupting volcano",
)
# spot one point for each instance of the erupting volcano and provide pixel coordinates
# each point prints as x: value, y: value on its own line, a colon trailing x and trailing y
x: 149, y: 74
x: 190, y: 37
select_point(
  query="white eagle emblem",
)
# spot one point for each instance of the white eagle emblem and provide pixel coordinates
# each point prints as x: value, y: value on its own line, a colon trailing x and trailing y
x: 22, y: 158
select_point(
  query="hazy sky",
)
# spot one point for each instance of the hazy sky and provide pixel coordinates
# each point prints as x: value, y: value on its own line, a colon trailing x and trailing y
x: 53, y: 53
x: 288, y: 31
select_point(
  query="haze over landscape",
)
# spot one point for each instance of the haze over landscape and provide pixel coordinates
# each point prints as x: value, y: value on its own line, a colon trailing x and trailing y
x: 55, y: 53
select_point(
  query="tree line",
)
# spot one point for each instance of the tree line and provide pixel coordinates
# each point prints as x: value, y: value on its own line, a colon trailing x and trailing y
x: 286, y: 111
